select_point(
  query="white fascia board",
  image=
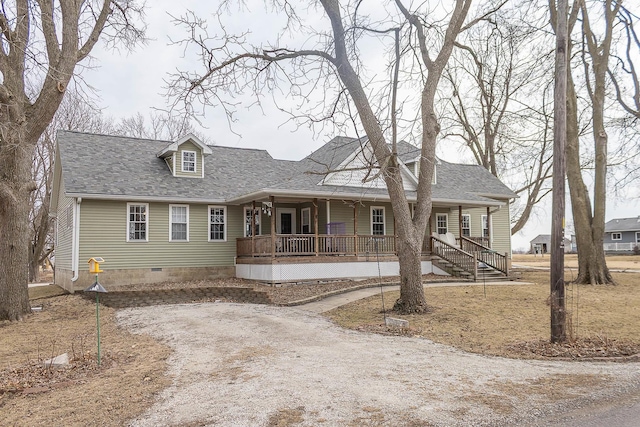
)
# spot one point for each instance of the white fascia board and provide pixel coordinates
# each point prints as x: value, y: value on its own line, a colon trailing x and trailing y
x: 265, y: 193
x: 173, y: 147
x: 206, y: 150
x: 454, y: 202
x: 163, y: 199
x: 169, y: 149
x: 497, y: 196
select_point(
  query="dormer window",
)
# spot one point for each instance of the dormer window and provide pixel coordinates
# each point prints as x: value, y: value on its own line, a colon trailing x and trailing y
x: 188, y: 161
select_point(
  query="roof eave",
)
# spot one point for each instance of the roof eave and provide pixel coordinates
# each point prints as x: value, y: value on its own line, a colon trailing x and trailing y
x: 127, y: 197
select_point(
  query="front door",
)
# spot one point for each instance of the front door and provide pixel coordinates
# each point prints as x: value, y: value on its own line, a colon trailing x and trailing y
x: 286, y: 221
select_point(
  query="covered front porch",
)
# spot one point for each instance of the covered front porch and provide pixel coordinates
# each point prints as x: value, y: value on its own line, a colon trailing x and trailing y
x: 328, y: 239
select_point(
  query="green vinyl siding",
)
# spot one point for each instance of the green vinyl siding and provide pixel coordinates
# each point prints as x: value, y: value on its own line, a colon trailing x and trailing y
x: 64, y: 236
x: 189, y: 146
x: 500, y: 224
x: 343, y: 212
x: 103, y: 233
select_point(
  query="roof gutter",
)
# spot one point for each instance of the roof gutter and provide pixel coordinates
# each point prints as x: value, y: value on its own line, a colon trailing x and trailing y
x: 264, y: 193
x: 142, y: 198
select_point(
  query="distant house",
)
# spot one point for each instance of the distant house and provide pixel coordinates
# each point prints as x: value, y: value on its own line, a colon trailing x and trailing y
x: 160, y: 211
x: 541, y: 244
x: 622, y: 234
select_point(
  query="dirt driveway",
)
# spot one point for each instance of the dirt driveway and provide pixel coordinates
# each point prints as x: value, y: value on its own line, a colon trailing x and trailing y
x: 253, y: 365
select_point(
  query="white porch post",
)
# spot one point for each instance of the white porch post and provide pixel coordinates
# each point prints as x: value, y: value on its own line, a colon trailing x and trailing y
x: 315, y: 224
x: 272, y: 199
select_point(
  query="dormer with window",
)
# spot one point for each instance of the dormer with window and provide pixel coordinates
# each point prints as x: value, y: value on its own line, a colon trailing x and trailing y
x: 185, y: 157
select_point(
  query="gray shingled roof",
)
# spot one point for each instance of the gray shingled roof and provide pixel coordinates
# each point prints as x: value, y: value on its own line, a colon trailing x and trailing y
x: 623, y: 224
x: 113, y: 166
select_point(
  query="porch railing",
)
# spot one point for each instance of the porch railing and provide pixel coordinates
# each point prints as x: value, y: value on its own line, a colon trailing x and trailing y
x: 455, y: 255
x: 485, y: 254
x: 308, y: 245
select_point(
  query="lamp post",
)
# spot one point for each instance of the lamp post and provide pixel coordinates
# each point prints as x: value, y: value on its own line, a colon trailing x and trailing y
x: 94, y: 267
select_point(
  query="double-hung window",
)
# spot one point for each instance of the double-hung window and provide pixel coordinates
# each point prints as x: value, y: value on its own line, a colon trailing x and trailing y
x: 188, y: 161
x: 137, y: 222
x: 217, y: 223
x: 442, y: 225
x: 616, y: 236
x: 637, y: 236
x: 178, y: 223
x: 248, y: 219
x: 466, y: 225
x: 377, y: 221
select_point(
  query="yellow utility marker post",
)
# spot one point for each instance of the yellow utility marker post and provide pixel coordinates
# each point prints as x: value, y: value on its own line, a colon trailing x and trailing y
x: 94, y: 268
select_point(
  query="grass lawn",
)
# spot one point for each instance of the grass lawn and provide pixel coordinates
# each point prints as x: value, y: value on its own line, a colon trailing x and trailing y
x: 132, y: 371
x: 513, y: 320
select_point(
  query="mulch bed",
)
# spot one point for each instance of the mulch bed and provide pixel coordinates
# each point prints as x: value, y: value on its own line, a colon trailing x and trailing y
x: 588, y: 348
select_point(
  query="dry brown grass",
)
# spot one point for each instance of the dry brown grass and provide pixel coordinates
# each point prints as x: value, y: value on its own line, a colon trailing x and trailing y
x: 510, y: 315
x: 614, y: 262
x: 132, y: 372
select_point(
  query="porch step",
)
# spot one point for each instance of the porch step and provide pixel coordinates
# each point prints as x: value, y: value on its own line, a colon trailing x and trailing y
x: 485, y: 273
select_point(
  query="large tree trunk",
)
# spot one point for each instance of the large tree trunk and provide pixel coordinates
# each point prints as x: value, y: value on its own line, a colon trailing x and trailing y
x: 412, y: 298
x: 592, y: 266
x: 15, y: 188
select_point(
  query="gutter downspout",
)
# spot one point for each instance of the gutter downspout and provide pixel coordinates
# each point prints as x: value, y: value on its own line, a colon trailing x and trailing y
x: 75, y: 244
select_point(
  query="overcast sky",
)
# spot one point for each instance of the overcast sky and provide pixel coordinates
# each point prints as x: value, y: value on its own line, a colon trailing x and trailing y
x: 130, y: 83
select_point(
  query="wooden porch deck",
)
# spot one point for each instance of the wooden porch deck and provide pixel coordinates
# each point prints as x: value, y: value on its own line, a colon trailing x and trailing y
x: 305, y: 245
x: 327, y: 252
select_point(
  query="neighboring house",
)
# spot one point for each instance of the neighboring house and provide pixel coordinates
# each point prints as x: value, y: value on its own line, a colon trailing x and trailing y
x: 622, y: 234
x: 175, y: 211
x: 541, y: 244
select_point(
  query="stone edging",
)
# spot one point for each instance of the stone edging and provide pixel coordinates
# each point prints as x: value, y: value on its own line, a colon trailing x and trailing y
x: 143, y: 298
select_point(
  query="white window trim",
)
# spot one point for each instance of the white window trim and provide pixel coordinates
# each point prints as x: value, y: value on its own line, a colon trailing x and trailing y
x: 302, y: 211
x: 146, y: 230
x: 384, y: 220
x: 468, y: 216
x: 637, y: 236
x: 258, y: 215
x: 446, y: 216
x: 195, y: 161
x: 226, y: 223
x: 171, y: 239
x: 619, y: 234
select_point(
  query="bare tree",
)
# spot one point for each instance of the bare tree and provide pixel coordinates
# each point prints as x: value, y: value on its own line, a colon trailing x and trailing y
x: 497, y: 108
x: 420, y: 41
x: 625, y: 77
x: 161, y: 125
x: 41, y: 41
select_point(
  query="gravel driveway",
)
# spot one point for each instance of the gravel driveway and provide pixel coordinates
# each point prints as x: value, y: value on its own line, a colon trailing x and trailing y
x: 254, y: 365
